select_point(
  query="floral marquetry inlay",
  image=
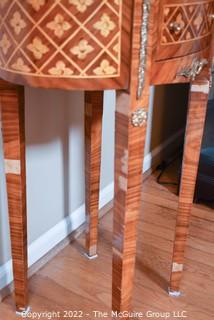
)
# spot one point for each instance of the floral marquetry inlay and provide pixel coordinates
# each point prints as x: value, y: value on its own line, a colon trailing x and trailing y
x: 36, y: 4
x: 37, y: 48
x: 19, y: 65
x: 59, y: 25
x: 105, y: 25
x: 17, y: 22
x: 61, y: 38
x: 105, y: 68
x: 60, y: 70
x: 82, y: 49
x: 81, y: 5
x: 5, y: 43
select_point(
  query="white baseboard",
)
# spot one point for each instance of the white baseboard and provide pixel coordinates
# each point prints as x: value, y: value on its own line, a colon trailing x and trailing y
x: 54, y: 236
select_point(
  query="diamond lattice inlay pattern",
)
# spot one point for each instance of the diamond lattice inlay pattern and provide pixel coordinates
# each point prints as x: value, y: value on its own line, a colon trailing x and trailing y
x: 61, y: 38
x: 193, y: 18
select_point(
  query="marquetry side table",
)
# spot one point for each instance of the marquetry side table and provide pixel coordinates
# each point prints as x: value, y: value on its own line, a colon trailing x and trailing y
x: 95, y: 45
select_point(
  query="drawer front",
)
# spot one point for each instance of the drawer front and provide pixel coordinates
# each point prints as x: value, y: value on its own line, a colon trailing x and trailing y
x: 186, y: 27
x: 65, y: 39
x: 183, y: 69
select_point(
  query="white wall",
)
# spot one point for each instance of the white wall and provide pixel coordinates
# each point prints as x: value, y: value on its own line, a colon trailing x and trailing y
x: 55, y: 160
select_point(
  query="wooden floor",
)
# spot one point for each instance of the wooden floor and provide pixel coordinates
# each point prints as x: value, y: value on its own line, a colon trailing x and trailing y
x: 71, y: 282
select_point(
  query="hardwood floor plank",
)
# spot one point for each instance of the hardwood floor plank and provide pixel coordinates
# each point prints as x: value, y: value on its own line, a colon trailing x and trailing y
x: 69, y: 281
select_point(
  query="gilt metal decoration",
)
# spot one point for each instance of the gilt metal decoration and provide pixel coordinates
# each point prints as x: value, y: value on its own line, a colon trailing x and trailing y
x: 194, y: 70
x: 143, y: 47
x: 139, y: 117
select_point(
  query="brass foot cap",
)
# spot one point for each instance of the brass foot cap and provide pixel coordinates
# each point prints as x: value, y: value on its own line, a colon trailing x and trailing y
x: 91, y: 257
x: 22, y: 312
x: 174, y: 294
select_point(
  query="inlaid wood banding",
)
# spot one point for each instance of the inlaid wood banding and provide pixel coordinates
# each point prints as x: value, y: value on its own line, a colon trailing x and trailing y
x: 12, y: 166
x: 177, y: 267
x: 203, y: 88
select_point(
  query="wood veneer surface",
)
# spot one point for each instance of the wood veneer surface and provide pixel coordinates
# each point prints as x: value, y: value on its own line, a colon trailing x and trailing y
x: 93, y: 142
x: 129, y: 139
x: 198, y: 100
x: 13, y: 134
x: 66, y: 43
x: 193, y: 17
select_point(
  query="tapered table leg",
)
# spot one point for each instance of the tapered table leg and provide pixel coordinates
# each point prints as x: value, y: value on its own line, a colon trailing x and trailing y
x: 131, y: 123
x: 93, y: 140
x: 129, y: 152
x: 194, y: 133
x: 12, y: 118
